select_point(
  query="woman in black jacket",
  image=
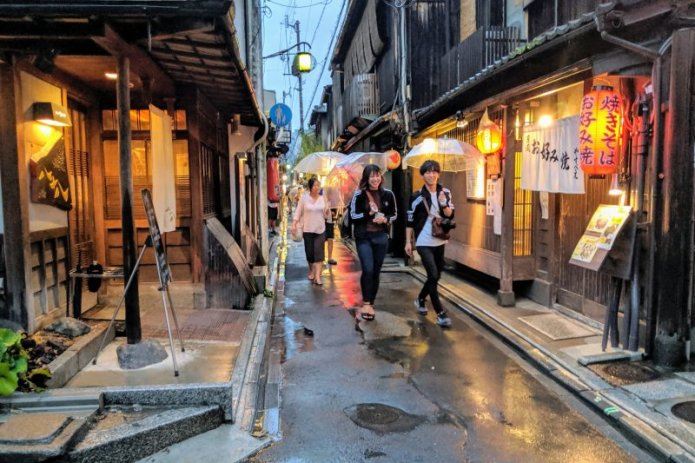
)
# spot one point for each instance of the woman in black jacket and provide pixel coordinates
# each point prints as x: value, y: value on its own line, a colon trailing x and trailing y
x: 432, y: 202
x: 372, y: 210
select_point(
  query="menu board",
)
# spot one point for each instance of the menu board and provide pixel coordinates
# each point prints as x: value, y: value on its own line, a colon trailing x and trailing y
x: 600, y: 237
x: 156, y: 237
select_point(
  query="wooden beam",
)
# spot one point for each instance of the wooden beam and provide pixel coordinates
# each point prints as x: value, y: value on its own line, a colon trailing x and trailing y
x: 13, y: 175
x: 166, y: 29
x: 50, y: 30
x: 140, y: 61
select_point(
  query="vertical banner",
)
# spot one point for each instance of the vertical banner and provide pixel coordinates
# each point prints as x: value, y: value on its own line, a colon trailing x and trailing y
x: 163, y: 169
x: 493, y: 203
x: 551, y: 158
x: 49, y: 174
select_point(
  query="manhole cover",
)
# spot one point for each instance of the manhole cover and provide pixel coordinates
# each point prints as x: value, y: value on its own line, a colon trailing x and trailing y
x: 382, y: 418
x: 634, y: 372
x: 685, y: 411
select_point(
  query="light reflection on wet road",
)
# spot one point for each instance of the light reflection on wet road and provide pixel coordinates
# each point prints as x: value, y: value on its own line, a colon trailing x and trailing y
x: 406, y: 390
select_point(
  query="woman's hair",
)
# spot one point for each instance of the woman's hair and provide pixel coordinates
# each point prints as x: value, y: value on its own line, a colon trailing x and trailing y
x: 369, y: 169
x: 430, y: 166
x: 311, y: 182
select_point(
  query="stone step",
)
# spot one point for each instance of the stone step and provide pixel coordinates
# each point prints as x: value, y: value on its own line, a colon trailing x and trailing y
x: 126, y: 434
x: 40, y: 436
x: 59, y: 400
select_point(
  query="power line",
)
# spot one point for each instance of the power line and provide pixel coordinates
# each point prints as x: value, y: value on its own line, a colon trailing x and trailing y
x: 299, y: 6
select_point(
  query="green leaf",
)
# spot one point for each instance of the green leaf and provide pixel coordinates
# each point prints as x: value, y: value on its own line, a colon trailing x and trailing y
x: 20, y: 366
x: 9, y: 337
x: 8, y: 380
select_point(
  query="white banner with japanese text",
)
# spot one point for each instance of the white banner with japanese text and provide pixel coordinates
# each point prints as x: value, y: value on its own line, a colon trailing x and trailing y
x: 163, y: 170
x: 550, y: 160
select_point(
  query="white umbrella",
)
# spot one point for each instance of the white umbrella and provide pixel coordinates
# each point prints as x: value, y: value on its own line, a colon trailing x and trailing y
x: 319, y: 163
x: 452, y: 155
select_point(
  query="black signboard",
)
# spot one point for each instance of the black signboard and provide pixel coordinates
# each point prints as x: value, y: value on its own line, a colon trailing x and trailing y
x: 156, y: 240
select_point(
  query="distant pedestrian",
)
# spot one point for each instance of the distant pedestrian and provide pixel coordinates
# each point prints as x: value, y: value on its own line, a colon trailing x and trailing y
x: 372, y: 210
x: 432, y: 202
x: 311, y: 213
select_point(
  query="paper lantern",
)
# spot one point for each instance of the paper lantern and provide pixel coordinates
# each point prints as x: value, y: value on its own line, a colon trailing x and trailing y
x: 489, y: 136
x: 600, y: 126
x: 393, y: 159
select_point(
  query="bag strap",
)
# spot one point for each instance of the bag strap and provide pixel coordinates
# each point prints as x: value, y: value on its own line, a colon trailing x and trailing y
x: 371, y: 198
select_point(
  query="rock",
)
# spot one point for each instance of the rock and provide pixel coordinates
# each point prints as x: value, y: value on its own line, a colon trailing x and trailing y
x: 69, y: 327
x: 142, y: 354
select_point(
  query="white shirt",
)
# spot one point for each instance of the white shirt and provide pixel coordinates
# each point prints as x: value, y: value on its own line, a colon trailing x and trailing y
x: 425, y: 237
x: 310, y: 214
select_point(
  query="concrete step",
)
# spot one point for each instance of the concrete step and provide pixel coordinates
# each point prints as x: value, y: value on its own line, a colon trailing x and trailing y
x: 40, y: 436
x: 126, y: 434
x: 65, y: 401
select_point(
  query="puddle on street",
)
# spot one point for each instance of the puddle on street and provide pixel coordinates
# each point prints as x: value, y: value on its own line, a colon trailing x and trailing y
x: 295, y: 339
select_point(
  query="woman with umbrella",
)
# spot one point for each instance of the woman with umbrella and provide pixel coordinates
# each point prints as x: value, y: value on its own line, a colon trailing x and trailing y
x: 372, y: 210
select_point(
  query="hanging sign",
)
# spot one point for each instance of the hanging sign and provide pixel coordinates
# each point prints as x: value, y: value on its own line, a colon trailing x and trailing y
x: 550, y: 160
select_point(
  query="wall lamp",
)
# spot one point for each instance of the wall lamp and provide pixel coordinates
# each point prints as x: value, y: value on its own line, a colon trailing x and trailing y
x: 461, y: 121
x: 51, y: 114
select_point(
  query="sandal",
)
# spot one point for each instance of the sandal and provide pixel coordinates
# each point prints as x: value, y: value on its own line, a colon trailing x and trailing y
x: 318, y: 282
x: 367, y: 315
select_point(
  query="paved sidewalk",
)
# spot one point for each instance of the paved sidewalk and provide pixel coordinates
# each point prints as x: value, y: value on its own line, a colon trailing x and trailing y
x: 642, y: 409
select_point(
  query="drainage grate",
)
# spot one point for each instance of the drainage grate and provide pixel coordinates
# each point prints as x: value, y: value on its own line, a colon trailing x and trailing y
x: 632, y: 372
x: 382, y: 418
x: 685, y: 410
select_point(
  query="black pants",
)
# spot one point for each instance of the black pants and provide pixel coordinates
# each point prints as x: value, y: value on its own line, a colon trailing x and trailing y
x: 433, y: 260
x: 313, y: 246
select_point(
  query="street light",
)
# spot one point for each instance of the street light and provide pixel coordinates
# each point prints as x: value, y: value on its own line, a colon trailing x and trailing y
x: 303, y: 62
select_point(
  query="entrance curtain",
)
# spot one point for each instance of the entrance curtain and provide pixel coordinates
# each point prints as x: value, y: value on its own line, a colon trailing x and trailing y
x: 163, y: 170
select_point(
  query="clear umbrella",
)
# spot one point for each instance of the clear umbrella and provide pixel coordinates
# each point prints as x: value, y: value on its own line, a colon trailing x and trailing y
x: 319, y: 163
x: 452, y: 155
x: 345, y: 176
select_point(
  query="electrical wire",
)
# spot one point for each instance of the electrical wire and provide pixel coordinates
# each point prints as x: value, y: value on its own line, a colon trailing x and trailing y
x: 300, y: 6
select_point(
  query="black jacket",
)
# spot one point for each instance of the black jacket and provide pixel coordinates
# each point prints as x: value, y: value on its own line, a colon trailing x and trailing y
x: 417, y: 214
x: 359, y: 210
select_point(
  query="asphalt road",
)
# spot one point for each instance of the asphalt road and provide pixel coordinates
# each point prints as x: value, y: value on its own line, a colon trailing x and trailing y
x: 402, y: 389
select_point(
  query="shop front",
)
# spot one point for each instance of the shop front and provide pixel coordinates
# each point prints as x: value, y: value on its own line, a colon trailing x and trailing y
x: 528, y: 215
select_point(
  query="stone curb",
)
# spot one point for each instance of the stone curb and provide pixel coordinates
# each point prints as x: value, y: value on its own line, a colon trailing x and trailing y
x: 599, y: 394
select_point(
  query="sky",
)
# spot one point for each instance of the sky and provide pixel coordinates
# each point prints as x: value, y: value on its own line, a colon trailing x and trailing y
x: 319, y: 23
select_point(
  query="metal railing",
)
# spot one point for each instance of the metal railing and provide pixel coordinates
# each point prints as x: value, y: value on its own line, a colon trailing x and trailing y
x: 481, y: 49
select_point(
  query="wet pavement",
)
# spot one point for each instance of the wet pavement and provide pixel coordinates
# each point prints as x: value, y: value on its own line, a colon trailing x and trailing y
x: 401, y: 388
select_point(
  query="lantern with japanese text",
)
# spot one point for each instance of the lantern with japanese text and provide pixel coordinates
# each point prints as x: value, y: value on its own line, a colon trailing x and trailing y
x: 393, y: 159
x: 489, y: 136
x: 273, y: 178
x: 600, y: 125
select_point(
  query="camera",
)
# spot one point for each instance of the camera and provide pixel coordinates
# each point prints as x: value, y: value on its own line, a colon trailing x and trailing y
x: 448, y: 224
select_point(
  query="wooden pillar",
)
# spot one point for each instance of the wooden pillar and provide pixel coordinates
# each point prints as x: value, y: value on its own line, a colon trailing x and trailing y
x: 194, y: 160
x: 674, y: 230
x: 15, y: 198
x: 505, y: 295
x: 132, y: 299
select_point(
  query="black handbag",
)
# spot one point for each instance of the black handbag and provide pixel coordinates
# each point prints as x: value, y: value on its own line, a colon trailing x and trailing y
x: 441, y: 227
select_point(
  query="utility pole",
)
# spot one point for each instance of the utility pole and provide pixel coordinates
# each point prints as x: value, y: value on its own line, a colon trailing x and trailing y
x: 301, y: 95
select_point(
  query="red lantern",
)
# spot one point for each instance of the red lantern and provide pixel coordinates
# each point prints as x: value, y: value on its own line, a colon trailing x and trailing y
x: 489, y: 136
x: 600, y: 126
x: 393, y: 159
x: 273, y: 180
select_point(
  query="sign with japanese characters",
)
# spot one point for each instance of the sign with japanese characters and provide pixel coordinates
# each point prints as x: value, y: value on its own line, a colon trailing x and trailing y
x: 550, y: 160
x: 600, y: 236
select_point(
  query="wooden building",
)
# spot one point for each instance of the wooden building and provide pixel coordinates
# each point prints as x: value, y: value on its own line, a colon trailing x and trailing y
x: 521, y: 61
x: 96, y: 61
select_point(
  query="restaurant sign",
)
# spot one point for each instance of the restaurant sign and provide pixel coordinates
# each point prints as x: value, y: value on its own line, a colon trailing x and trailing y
x: 550, y: 160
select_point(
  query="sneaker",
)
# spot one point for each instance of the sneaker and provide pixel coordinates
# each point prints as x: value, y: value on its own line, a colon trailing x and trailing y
x: 421, y: 309
x: 443, y: 320
x: 332, y: 262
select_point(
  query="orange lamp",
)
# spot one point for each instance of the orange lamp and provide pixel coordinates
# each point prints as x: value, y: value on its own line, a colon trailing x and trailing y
x: 393, y: 159
x: 489, y: 136
x: 600, y: 126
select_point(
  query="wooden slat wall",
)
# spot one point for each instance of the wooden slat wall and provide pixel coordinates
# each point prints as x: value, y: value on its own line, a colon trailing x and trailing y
x: 580, y: 289
x: 49, y: 271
